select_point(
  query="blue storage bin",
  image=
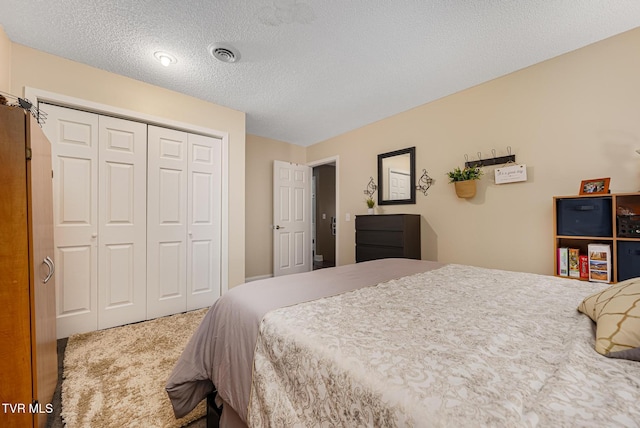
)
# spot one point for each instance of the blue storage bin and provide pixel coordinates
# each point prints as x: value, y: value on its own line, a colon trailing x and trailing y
x: 584, y: 217
x: 628, y: 260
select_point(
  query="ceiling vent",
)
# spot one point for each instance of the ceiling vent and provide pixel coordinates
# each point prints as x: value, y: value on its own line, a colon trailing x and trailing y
x: 224, y: 53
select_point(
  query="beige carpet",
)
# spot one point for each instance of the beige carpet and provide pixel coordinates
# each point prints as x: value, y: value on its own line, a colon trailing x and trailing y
x: 116, y: 377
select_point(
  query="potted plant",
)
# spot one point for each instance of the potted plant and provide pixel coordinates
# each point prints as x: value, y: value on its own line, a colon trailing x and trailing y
x: 370, y: 204
x: 464, y: 180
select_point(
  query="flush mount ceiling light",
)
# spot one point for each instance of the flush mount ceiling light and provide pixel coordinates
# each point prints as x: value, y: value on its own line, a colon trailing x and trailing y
x: 224, y: 52
x: 165, y: 58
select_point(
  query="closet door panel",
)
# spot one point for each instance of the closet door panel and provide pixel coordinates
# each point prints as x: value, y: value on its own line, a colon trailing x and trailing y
x: 118, y: 274
x: 166, y: 222
x: 122, y: 222
x: 73, y: 266
x: 74, y: 141
x: 202, y: 275
x: 204, y: 206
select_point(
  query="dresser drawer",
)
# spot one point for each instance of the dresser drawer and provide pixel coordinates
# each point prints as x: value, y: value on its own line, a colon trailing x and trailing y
x: 390, y: 238
x: 380, y: 222
x: 365, y: 253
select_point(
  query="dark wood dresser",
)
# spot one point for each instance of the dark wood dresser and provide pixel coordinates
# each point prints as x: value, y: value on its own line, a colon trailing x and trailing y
x: 387, y: 235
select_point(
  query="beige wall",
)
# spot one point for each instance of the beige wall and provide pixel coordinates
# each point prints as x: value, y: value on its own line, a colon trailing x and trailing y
x: 54, y: 74
x: 5, y: 62
x: 261, y: 152
x: 570, y: 118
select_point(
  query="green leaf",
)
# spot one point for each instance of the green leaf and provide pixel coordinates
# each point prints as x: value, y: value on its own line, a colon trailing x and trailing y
x: 468, y: 173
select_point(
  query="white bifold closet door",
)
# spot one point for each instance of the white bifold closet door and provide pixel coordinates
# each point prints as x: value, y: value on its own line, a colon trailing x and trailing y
x: 122, y: 219
x: 137, y: 214
x: 99, y: 168
x: 183, y: 221
x: 74, y: 153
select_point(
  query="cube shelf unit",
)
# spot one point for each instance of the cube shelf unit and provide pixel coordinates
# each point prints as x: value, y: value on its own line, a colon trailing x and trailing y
x: 618, y: 227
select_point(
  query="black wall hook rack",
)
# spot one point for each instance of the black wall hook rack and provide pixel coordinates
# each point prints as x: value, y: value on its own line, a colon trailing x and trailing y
x: 490, y: 161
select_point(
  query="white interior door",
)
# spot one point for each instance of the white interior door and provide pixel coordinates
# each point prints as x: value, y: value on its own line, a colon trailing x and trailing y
x: 291, y: 218
x: 204, y: 208
x: 166, y: 222
x: 122, y: 219
x: 74, y: 142
x: 399, y: 184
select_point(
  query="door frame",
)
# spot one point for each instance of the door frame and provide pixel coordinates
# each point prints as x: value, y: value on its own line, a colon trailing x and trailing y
x: 37, y: 96
x: 334, y: 160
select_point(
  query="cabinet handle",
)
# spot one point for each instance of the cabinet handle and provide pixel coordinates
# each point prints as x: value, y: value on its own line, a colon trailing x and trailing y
x: 52, y: 268
x: 585, y: 208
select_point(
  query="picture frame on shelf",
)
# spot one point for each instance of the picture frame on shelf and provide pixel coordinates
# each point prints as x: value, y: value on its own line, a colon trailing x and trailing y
x: 595, y: 186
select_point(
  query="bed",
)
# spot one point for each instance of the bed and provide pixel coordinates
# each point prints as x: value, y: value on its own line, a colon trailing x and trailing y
x: 399, y: 342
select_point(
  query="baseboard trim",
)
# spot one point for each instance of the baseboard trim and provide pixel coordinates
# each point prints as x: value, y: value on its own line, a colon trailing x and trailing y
x: 259, y: 277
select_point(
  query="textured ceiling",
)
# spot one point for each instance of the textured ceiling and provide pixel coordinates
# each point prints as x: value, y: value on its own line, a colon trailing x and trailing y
x: 310, y: 70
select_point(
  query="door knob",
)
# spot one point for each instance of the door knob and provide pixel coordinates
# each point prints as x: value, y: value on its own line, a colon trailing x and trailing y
x: 278, y: 227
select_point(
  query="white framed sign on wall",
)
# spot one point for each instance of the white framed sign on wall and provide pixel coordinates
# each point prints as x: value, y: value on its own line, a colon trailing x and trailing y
x: 511, y: 174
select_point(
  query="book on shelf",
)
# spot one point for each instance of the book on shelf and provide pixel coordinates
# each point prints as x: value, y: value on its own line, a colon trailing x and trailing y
x: 563, y: 261
x: 584, y: 266
x: 574, y: 262
x: 599, y: 262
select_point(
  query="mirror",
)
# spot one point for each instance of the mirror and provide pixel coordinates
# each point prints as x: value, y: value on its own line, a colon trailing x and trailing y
x: 396, y: 177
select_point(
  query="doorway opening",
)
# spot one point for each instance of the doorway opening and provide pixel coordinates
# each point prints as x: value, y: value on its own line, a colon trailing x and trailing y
x: 324, y: 214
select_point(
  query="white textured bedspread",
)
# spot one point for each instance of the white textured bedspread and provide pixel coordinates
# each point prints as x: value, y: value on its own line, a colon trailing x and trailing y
x: 457, y: 346
x: 221, y: 350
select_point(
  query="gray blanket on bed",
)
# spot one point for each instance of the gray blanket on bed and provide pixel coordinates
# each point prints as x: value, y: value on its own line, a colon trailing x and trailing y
x: 221, y: 350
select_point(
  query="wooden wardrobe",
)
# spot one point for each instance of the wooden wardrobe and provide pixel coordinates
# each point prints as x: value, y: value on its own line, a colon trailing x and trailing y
x: 28, y: 355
